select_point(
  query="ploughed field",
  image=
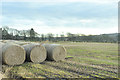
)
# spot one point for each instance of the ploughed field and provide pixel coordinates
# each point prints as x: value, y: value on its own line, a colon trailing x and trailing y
x: 83, y: 60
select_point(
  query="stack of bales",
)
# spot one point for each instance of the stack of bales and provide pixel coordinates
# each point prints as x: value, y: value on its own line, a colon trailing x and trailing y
x: 14, y: 54
x: 38, y: 53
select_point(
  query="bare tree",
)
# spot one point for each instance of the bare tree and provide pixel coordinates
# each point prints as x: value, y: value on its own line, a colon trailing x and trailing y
x: 50, y: 36
x: 42, y: 37
x: 32, y: 34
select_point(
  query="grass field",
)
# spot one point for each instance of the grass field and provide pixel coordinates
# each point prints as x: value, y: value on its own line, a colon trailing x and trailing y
x: 83, y: 60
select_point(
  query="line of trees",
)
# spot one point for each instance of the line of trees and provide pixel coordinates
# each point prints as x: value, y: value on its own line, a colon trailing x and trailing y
x: 33, y: 36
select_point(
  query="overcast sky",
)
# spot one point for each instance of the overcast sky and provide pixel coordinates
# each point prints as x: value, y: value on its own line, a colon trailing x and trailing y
x: 57, y: 16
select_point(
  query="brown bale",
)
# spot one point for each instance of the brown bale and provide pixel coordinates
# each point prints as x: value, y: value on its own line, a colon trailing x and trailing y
x: 55, y: 52
x: 13, y: 54
x: 35, y: 52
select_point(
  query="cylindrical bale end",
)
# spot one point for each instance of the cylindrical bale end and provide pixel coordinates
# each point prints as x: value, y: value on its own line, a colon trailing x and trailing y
x: 13, y: 54
x: 35, y: 53
x: 55, y: 52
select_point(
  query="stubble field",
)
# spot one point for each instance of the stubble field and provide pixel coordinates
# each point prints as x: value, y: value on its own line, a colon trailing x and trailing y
x: 83, y: 60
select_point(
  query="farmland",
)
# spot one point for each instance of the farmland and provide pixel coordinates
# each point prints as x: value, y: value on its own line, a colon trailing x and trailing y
x: 83, y: 60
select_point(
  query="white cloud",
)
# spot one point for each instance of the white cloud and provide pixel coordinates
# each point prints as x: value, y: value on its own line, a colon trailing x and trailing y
x: 71, y: 24
x: 84, y: 26
x: 87, y: 21
x: 59, y: 30
x: 72, y: 21
x: 56, y: 25
x: 93, y: 1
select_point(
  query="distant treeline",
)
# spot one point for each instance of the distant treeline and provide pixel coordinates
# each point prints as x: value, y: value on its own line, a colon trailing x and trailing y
x: 31, y: 36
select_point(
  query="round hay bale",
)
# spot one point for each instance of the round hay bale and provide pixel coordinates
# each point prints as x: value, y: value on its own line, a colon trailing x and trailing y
x: 13, y: 54
x: 35, y: 53
x: 55, y: 52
